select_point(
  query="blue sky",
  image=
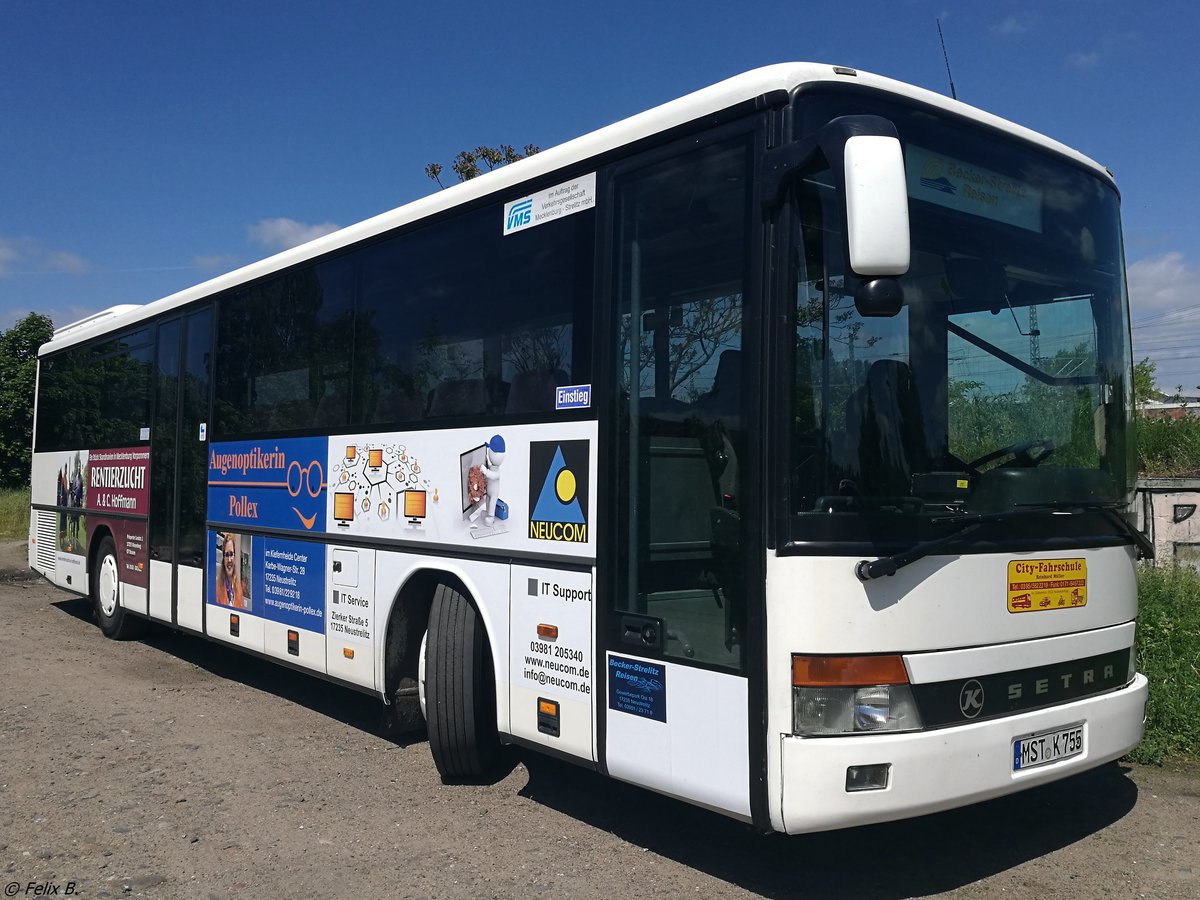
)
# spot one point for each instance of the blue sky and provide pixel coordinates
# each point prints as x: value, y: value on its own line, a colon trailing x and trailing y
x: 147, y: 146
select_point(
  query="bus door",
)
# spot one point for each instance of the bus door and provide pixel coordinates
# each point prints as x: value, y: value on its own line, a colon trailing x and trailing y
x: 673, y: 654
x: 178, y: 443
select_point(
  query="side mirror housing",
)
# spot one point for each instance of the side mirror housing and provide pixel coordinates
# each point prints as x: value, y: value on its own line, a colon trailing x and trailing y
x: 876, y: 195
x: 867, y: 163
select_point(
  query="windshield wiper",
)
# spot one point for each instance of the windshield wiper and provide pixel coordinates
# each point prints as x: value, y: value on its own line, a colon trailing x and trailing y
x: 866, y: 570
x: 1112, y: 511
x: 1144, y: 544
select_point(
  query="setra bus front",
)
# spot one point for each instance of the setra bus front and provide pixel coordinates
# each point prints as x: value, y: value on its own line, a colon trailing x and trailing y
x: 951, y: 599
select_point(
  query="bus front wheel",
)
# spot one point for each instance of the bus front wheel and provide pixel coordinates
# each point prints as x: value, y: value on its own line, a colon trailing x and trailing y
x: 106, y: 596
x: 460, y: 689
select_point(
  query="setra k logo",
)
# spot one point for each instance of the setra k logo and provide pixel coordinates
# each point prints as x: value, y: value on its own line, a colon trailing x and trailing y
x: 970, y: 699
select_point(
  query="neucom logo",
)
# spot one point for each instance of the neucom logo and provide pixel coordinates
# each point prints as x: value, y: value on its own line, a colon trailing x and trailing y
x: 558, y: 491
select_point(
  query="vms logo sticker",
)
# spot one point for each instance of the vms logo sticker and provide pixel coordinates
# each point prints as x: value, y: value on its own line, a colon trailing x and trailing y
x: 518, y: 215
x: 558, y: 491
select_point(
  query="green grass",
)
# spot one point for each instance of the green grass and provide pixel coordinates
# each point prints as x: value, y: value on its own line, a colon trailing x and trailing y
x: 1168, y: 448
x: 14, y: 513
x: 1168, y: 647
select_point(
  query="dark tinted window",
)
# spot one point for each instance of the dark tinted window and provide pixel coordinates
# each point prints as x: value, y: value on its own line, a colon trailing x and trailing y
x: 451, y: 319
x: 96, y: 395
x: 459, y: 319
x: 193, y: 468
x: 164, y: 443
x: 283, y: 350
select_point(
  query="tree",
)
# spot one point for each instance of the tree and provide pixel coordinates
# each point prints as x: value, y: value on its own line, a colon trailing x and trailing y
x: 18, y: 366
x: 1143, y: 381
x: 466, y: 163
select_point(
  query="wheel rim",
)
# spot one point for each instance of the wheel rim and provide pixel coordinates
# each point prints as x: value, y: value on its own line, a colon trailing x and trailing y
x: 107, y: 589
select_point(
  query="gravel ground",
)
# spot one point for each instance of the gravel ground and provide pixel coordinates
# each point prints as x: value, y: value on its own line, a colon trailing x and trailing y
x: 173, y: 767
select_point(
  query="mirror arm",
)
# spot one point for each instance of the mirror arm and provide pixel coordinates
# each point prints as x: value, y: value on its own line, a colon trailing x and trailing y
x: 783, y: 165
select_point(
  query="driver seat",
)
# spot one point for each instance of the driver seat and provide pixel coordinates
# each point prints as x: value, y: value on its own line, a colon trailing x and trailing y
x: 885, y: 435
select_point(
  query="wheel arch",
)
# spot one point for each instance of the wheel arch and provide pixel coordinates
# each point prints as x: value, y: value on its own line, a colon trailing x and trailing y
x: 95, y: 539
x: 408, y: 619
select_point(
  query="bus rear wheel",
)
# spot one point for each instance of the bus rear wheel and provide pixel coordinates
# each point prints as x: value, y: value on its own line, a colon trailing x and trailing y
x: 106, y: 596
x: 460, y: 689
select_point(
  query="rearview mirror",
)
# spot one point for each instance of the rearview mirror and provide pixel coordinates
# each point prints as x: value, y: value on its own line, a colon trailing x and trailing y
x: 879, y: 298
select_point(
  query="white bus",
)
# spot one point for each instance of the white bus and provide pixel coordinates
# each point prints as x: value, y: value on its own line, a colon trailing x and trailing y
x: 769, y: 449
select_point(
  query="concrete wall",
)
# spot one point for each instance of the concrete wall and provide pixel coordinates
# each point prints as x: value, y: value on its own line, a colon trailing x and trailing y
x: 1168, y: 512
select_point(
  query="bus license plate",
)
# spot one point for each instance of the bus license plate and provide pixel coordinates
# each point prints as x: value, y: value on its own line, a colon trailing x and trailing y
x: 1047, y: 747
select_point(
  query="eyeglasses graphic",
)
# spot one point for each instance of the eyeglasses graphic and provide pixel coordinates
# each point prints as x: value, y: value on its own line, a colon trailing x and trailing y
x: 306, y: 478
x: 229, y: 554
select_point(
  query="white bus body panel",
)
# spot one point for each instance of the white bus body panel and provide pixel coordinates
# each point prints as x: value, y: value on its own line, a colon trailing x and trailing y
x: 160, y: 590
x: 189, y: 607
x: 70, y: 572
x: 818, y: 605
x: 134, y: 598
x: 352, y: 636
x: 251, y: 629
x: 560, y: 669
x: 948, y: 616
x: 976, y: 661
x: 701, y: 756
x: 310, y: 646
x: 945, y: 768
x: 43, y: 472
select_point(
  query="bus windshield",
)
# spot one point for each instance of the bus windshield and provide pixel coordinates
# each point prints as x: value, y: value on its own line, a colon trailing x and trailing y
x: 1003, y: 381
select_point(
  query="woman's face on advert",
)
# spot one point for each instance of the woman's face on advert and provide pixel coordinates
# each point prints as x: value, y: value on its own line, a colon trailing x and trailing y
x: 229, y: 558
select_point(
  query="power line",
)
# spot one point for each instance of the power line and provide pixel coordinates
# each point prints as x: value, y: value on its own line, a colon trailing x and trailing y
x: 1143, y: 349
x: 1190, y: 311
x: 1165, y: 341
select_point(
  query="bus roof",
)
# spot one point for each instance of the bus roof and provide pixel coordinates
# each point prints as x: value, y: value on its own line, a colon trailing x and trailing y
x: 782, y: 77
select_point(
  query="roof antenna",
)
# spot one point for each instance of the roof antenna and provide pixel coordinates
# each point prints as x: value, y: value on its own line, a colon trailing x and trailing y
x: 953, y: 95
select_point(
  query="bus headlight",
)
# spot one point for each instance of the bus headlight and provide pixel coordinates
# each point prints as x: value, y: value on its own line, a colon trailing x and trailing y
x: 823, y: 704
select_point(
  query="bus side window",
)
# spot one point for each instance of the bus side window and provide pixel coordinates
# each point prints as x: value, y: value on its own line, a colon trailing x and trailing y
x: 96, y: 395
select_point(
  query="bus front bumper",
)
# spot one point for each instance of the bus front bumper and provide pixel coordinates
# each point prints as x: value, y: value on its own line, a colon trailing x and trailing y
x: 948, y: 767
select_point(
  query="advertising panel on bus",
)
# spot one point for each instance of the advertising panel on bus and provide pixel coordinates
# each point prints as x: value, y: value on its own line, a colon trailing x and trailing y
x: 521, y: 488
x: 276, y: 485
x: 93, y: 490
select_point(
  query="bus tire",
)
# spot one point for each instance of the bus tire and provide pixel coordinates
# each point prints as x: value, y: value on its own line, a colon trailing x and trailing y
x: 112, y: 618
x: 460, y: 689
